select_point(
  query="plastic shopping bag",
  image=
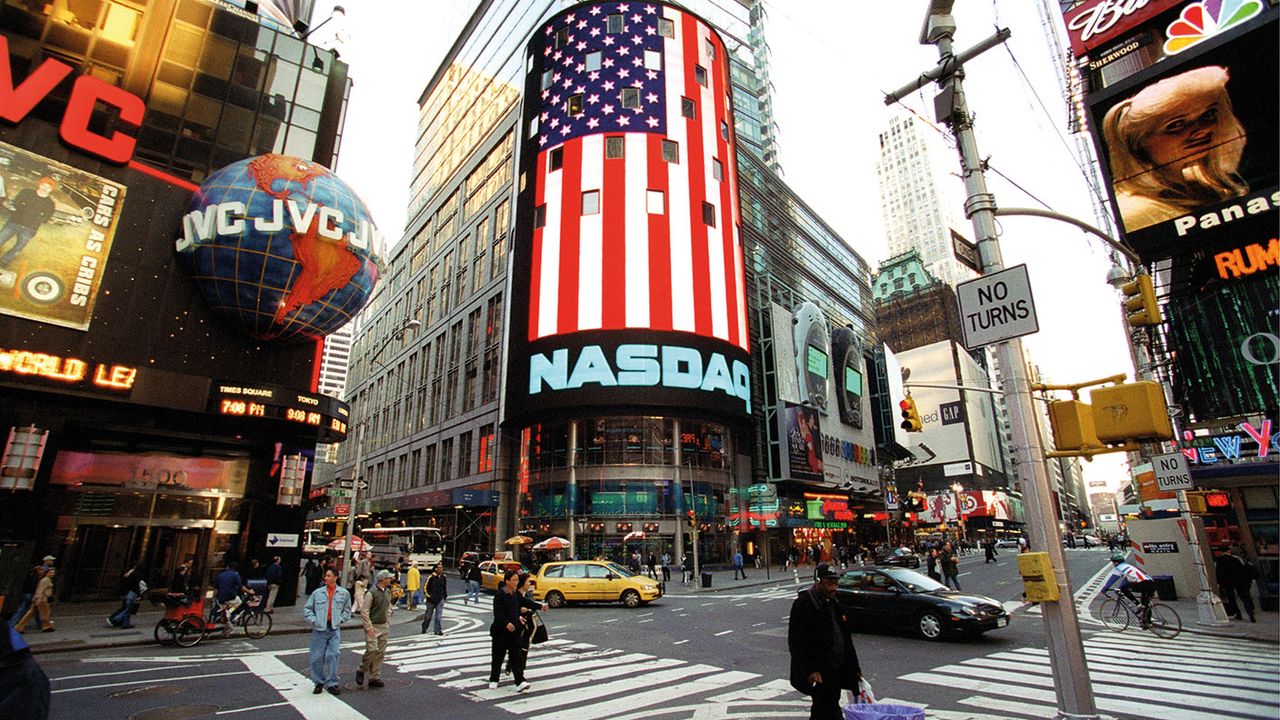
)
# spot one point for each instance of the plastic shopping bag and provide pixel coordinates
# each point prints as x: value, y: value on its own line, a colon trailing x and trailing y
x: 861, y: 696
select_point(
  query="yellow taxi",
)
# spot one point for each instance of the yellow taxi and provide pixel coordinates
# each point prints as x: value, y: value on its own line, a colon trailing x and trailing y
x: 491, y: 572
x: 592, y: 580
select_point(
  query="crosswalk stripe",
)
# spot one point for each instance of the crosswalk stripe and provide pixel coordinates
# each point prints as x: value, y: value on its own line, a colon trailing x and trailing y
x: 655, y: 696
x: 568, y: 671
x: 1189, y: 656
x: 1010, y: 706
x: 1121, y: 675
x: 562, y: 700
x: 1024, y: 655
x: 1232, y: 651
x: 1156, y: 661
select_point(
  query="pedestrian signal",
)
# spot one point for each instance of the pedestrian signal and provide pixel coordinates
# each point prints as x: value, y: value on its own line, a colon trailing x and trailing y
x: 910, y: 416
x: 1140, y: 302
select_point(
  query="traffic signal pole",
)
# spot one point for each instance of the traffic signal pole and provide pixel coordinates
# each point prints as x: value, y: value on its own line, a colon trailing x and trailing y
x: 1066, y: 651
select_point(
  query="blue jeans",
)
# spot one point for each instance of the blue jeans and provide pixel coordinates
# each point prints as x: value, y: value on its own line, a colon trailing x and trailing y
x: 324, y: 657
x: 473, y: 592
x: 737, y: 570
x: 22, y: 610
x: 14, y: 230
x: 436, y: 613
x: 952, y: 581
x: 121, y: 617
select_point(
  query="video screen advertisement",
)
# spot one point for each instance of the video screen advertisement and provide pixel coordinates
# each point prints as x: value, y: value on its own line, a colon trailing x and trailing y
x: 627, y: 285
x: 1189, y: 145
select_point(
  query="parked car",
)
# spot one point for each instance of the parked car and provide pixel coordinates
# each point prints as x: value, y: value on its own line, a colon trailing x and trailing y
x: 592, y: 580
x: 902, y: 557
x: 491, y: 572
x: 1007, y: 543
x: 468, y: 558
x: 900, y: 599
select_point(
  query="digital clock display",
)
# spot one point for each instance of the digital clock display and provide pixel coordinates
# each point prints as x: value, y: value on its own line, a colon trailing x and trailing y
x: 271, y: 402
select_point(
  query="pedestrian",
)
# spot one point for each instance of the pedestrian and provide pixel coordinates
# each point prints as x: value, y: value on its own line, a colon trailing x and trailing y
x: 533, y: 620
x: 181, y: 579
x: 131, y: 588
x: 29, y: 592
x: 375, y: 616
x: 275, y: 577
x: 820, y: 639
x: 989, y: 549
x: 227, y: 586
x: 437, y: 590
x: 312, y: 573
x: 31, y: 209
x: 653, y: 566
x: 473, y: 583
x: 414, y: 581
x: 950, y: 566
x: 666, y: 567
x: 325, y: 611
x: 737, y: 565
x: 1235, y: 580
x: 508, y: 621
x: 686, y: 570
x: 24, y: 688
x: 364, y: 568
x: 931, y: 564
x: 40, y: 604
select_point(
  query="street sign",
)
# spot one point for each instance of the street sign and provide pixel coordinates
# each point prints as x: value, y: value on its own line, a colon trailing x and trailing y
x: 347, y: 484
x: 283, y: 540
x: 337, y: 493
x: 341, y: 510
x: 1172, y: 472
x: 966, y: 252
x: 997, y: 307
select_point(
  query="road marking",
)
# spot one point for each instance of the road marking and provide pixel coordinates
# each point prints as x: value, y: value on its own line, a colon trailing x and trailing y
x: 556, y: 700
x: 638, y: 622
x: 726, y: 632
x: 144, y: 682
x: 964, y: 573
x: 247, y: 709
x: 296, y: 690
x: 656, y: 696
x: 106, y: 674
x: 708, y: 603
x: 611, y: 620
x: 679, y: 642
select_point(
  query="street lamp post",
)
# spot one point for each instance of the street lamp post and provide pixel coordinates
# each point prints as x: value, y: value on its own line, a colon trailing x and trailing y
x: 957, y: 488
x: 398, y: 334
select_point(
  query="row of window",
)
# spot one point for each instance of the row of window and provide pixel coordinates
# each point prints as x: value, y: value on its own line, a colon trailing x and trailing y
x: 616, y: 24
x: 615, y: 149
x: 655, y: 204
x: 475, y: 454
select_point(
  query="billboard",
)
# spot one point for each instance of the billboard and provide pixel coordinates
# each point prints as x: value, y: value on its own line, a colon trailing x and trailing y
x: 627, y: 270
x: 800, y: 442
x: 943, y: 439
x: 57, y: 225
x: 1190, y: 144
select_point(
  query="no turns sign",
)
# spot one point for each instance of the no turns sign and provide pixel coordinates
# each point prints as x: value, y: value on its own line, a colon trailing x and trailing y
x: 997, y: 307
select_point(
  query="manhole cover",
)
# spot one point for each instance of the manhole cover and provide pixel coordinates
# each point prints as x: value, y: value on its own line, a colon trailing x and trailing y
x: 147, y: 691
x: 175, y: 712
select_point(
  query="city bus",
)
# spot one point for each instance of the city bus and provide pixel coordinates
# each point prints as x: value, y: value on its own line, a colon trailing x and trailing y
x: 422, y: 545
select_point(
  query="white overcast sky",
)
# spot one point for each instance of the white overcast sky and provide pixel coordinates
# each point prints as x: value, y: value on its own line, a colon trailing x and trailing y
x: 832, y: 60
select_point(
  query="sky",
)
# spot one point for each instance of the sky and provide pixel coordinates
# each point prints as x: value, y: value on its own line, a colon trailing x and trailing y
x: 831, y: 63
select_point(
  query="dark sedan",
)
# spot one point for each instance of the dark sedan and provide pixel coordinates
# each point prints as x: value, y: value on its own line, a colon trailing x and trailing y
x: 904, y: 600
x: 900, y: 557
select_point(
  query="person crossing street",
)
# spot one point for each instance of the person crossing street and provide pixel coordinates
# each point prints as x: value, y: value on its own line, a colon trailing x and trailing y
x: 326, y: 609
x: 437, y: 590
x: 375, y: 616
x: 819, y: 637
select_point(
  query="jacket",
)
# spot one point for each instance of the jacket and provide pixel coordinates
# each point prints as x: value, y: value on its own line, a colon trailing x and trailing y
x: 275, y: 574
x: 437, y: 588
x: 473, y: 574
x: 414, y: 580
x: 820, y: 639
x: 1233, y: 572
x: 317, y: 608
x: 506, y: 609
x: 376, y: 608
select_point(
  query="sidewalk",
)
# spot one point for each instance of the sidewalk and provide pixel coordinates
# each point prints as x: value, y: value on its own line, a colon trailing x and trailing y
x: 1267, y: 629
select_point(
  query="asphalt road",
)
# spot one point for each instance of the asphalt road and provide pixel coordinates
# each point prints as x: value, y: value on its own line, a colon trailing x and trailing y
x: 704, y: 656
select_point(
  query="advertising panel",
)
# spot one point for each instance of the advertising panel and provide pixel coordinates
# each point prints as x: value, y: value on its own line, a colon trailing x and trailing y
x: 980, y: 415
x: 800, y: 441
x: 940, y: 442
x: 1096, y: 23
x: 786, y: 381
x: 1190, y: 145
x: 57, y: 229
x: 627, y: 284
x: 150, y: 471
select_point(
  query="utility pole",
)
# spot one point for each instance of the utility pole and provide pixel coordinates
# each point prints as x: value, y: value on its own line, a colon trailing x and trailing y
x: 1062, y: 630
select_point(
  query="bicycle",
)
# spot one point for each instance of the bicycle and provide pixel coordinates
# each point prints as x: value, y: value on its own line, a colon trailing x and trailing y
x: 1118, y: 612
x: 186, y: 623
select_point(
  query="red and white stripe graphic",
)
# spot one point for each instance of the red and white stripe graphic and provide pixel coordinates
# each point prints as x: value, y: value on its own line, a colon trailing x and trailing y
x: 633, y: 266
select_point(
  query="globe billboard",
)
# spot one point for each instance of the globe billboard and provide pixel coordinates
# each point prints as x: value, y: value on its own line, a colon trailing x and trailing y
x: 281, y: 247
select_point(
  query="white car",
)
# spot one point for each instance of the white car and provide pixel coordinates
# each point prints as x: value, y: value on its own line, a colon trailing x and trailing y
x: 1006, y: 543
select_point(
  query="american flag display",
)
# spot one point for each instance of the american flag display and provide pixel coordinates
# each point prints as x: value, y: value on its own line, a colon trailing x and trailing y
x: 635, y: 199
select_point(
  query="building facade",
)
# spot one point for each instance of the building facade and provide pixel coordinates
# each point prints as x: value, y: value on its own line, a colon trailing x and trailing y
x: 142, y: 425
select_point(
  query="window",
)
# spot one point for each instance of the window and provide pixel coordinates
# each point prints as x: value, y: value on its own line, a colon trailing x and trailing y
x: 711, y: 49
x: 717, y: 170
x: 562, y: 36
x: 630, y: 98
x: 652, y: 60
x: 615, y: 24
x: 533, y: 126
x: 656, y: 202
x: 591, y: 202
x: 700, y: 75
x: 671, y: 151
x: 574, y: 106
x: 555, y: 159
x: 613, y: 147
x: 724, y: 130
x: 592, y: 61
x: 540, y: 216
x: 709, y: 214
x: 687, y: 108
x: 546, y: 79
x: 666, y: 28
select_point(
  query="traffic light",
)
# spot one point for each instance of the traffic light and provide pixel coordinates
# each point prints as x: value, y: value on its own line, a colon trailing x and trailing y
x: 1072, y: 424
x: 693, y: 521
x: 1131, y: 411
x: 1140, y: 301
x: 910, y: 416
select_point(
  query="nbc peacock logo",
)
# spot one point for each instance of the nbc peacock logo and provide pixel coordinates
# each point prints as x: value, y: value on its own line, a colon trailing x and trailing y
x: 1200, y: 21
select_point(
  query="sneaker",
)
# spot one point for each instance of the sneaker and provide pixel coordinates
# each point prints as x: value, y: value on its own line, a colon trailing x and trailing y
x: 376, y: 683
x: 360, y: 678
x: 319, y: 689
x: 48, y: 629
x: 523, y: 686
x: 493, y: 686
x: 334, y: 690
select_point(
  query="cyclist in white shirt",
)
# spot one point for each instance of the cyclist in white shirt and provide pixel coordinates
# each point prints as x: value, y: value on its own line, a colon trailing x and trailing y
x: 1130, y: 578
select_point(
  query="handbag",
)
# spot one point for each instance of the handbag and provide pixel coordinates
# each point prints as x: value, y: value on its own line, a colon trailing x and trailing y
x: 540, y: 634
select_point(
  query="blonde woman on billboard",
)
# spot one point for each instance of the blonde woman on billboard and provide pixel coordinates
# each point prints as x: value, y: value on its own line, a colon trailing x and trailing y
x: 1175, y: 147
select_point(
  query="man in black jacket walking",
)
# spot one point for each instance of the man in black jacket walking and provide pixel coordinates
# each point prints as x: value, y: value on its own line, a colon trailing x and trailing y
x: 823, y: 659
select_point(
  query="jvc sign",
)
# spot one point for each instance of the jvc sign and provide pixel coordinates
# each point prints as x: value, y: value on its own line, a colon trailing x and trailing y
x: 997, y: 307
